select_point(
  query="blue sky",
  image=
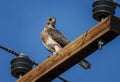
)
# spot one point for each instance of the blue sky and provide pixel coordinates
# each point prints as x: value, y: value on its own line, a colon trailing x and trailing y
x: 21, y: 22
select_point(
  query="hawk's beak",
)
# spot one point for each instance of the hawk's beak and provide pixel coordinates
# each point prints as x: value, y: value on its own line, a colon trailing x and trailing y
x: 51, y: 20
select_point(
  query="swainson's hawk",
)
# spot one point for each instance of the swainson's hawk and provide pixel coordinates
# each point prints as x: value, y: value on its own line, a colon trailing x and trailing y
x: 54, y: 40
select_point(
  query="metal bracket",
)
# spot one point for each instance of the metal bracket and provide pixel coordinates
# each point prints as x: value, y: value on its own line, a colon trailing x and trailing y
x: 100, y: 44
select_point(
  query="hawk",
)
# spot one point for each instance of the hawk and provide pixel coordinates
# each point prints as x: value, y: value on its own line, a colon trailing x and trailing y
x: 54, y: 40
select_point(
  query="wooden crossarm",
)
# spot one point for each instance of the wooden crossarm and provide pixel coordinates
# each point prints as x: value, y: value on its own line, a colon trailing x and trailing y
x: 78, y: 49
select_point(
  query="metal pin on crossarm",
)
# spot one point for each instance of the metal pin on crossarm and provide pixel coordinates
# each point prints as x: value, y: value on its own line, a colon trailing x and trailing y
x: 100, y: 44
x: 101, y: 10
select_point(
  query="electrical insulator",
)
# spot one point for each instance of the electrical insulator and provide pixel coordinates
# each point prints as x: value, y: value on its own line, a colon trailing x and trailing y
x: 20, y: 66
x: 103, y: 8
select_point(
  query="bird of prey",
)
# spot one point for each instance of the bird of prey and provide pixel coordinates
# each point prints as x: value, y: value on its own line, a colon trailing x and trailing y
x: 54, y: 40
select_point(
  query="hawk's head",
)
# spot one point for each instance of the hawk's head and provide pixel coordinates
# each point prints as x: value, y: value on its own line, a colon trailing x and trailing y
x: 51, y: 21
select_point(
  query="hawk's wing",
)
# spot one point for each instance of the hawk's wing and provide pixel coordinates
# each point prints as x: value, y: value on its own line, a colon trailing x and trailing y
x: 58, y: 37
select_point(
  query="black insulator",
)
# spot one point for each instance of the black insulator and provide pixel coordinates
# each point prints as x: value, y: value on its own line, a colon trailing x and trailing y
x: 103, y: 8
x: 20, y: 66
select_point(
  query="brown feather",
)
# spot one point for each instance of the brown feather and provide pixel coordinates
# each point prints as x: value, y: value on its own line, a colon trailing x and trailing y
x: 58, y: 37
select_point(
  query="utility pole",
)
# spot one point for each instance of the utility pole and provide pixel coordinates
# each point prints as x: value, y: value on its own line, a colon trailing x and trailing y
x: 105, y: 31
x: 83, y: 46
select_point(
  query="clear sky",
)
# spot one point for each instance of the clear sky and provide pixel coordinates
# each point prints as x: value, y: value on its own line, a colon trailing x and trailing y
x: 21, y: 22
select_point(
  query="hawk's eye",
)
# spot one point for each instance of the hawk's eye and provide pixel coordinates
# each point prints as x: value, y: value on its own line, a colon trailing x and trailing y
x: 50, y: 19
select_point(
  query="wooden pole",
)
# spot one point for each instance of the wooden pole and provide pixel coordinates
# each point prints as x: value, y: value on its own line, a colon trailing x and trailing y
x: 80, y: 48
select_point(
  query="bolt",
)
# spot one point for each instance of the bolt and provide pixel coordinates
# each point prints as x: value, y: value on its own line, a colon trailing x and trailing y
x: 100, y: 44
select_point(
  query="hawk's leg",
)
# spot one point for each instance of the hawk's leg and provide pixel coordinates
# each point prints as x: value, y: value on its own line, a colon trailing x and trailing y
x: 57, y: 49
